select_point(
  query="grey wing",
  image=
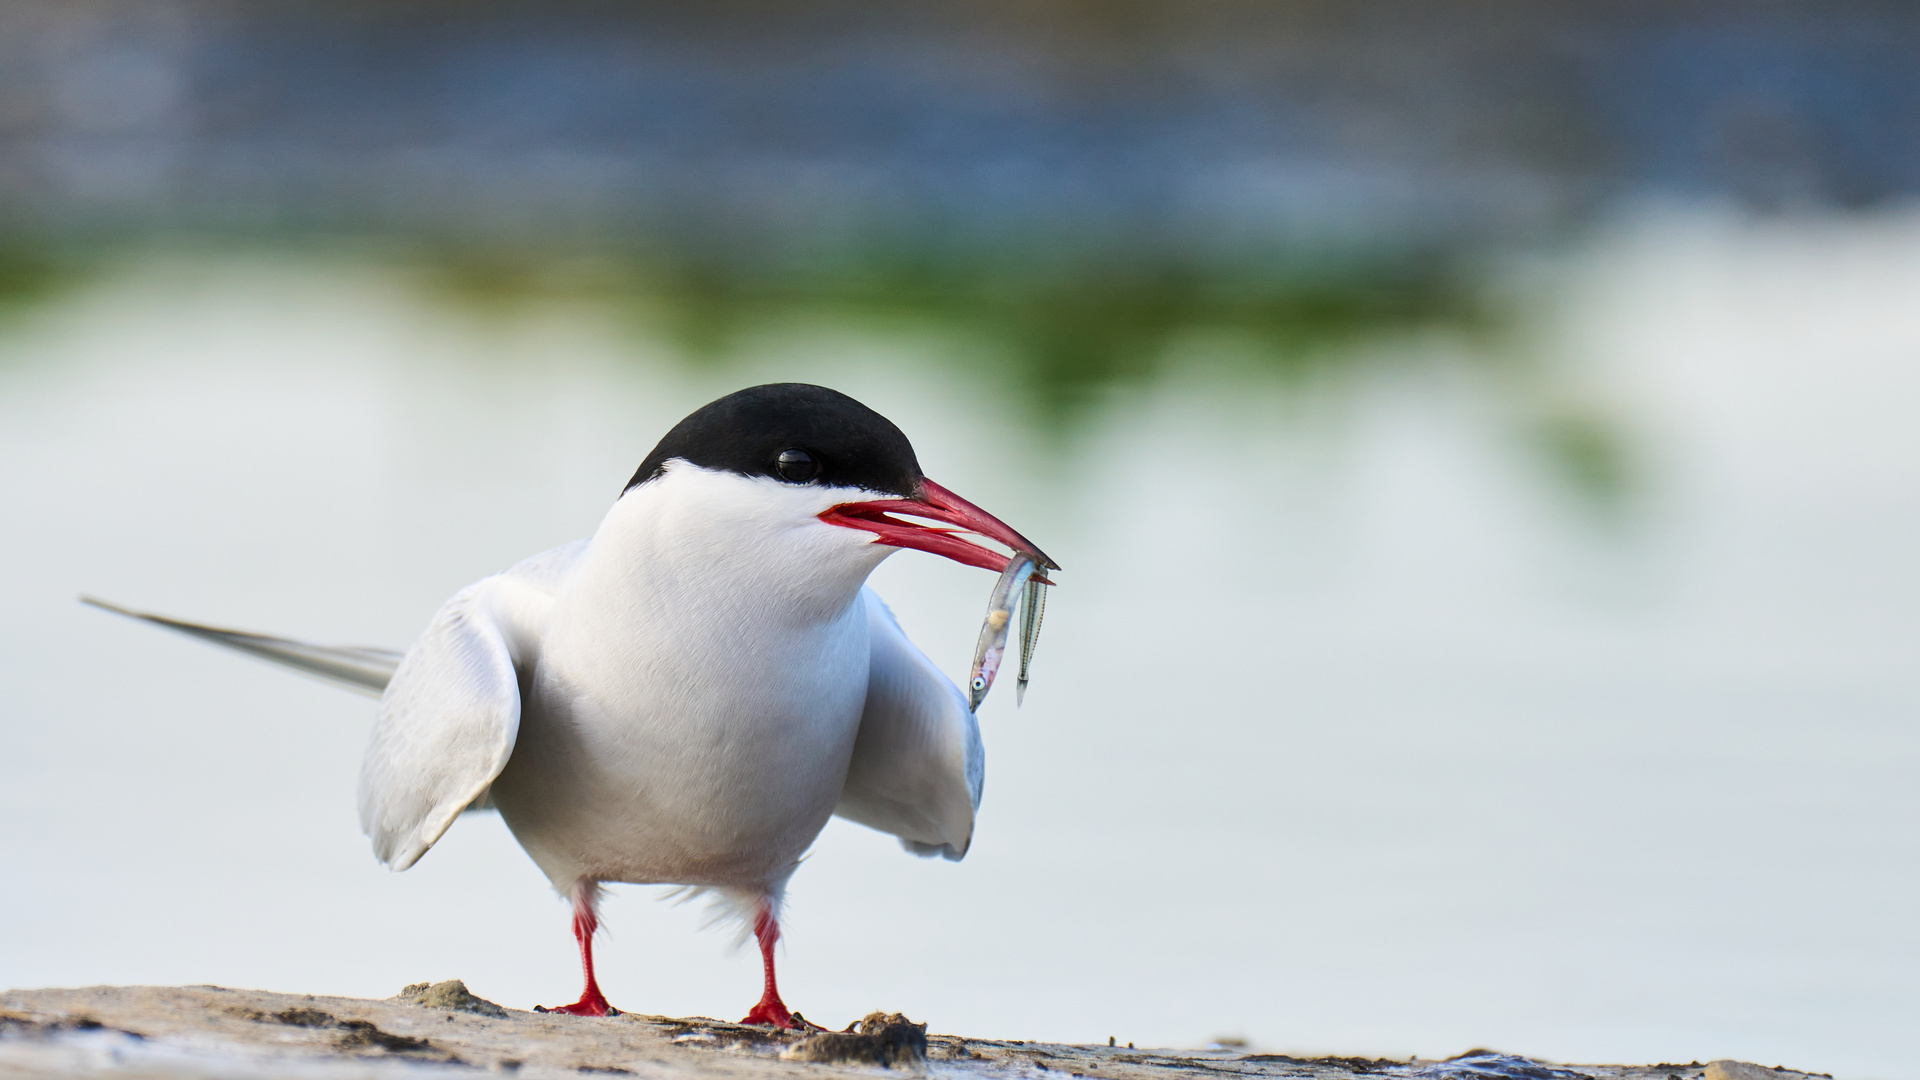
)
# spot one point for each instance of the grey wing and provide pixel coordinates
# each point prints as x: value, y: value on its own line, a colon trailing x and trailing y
x: 918, y: 764
x: 449, y: 718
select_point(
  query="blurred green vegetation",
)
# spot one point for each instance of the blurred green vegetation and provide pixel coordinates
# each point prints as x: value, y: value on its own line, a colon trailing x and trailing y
x: 31, y: 273
x: 1589, y: 452
x: 1067, y: 330
x: 1060, y: 332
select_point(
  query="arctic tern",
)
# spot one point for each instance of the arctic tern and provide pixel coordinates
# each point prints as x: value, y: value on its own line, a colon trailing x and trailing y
x: 688, y: 695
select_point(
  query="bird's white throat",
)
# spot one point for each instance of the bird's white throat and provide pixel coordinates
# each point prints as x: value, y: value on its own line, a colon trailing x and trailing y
x: 706, y: 538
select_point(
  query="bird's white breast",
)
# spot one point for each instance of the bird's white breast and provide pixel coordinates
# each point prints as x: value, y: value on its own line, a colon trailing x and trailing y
x: 699, y: 687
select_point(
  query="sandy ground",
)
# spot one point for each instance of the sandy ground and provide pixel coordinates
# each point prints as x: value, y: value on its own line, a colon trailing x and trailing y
x: 441, y: 1030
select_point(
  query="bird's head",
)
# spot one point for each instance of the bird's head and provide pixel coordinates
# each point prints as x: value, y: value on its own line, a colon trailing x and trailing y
x: 813, y: 456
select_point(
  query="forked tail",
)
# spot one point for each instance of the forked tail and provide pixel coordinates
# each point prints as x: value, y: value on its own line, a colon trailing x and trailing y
x: 365, y: 668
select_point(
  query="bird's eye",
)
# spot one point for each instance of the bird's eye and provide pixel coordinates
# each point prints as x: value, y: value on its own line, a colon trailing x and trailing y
x: 796, y: 466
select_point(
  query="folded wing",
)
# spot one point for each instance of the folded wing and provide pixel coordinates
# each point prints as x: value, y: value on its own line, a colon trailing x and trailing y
x: 918, y: 764
x: 451, y: 713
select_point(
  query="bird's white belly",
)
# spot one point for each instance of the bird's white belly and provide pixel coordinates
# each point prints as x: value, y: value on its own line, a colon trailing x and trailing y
x: 678, y: 769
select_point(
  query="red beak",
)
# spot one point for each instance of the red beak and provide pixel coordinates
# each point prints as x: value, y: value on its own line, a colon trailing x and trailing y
x: 938, y: 504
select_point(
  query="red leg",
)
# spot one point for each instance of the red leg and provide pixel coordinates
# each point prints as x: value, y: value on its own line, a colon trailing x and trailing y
x: 586, y: 923
x: 771, y: 1009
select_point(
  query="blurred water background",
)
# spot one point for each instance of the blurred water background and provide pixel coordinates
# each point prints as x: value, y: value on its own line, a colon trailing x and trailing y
x: 1480, y: 436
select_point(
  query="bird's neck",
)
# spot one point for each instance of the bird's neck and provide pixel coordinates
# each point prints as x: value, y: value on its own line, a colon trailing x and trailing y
x: 730, y: 547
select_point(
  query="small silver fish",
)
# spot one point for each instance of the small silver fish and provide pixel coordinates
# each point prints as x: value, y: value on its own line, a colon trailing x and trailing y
x: 993, y: 632
x: 1033, y: 605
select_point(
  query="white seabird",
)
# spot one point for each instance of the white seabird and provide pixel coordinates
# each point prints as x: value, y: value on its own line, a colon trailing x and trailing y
x: 687, y: 696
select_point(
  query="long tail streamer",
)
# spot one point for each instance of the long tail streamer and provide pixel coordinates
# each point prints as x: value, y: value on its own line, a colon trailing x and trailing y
x: 357, y: 667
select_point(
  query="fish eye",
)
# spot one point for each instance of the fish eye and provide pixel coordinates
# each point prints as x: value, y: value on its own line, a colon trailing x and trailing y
x: 796, y: 466
x: 979, y: 682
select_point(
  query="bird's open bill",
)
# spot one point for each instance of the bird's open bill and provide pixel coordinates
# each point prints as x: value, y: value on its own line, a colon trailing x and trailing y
x: 937, y: 504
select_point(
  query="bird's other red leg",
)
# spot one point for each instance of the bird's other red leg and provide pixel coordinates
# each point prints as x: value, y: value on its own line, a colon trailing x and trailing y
x: 771, y: 1010
x: 586, y: 923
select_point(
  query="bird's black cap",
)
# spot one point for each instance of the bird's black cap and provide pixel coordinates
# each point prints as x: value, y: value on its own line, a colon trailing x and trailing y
x: 841, y: 443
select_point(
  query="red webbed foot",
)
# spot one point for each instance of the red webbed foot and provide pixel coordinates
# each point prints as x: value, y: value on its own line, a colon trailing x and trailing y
x: 591, y: 1003
x: 773, y: 1012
